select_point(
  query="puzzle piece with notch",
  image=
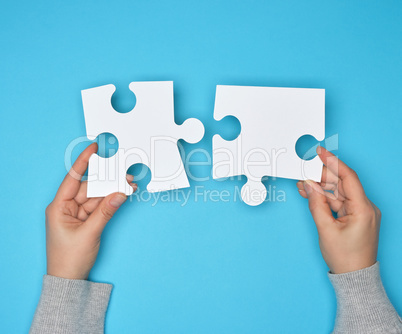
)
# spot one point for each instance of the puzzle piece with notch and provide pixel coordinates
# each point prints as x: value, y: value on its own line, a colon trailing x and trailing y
x: 147, y: 134
x: 272, y: 120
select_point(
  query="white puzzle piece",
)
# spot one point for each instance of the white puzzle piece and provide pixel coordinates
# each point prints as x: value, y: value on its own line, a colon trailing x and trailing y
x: 147, y: 134
x: 272, y: 120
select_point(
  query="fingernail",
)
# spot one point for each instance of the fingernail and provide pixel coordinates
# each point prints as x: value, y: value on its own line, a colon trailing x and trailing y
x: 117, y: 200
x: 319, y: 149
x: 307, y: 187
x: 130, y: 178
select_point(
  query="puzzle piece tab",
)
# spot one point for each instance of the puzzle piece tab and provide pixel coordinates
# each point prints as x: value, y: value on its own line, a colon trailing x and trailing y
x: 272, y: 120
x: 147, y: 134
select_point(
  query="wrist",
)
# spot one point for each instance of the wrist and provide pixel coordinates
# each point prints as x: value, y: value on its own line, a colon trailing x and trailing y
x: 351, y: 266
x: 63, y: 272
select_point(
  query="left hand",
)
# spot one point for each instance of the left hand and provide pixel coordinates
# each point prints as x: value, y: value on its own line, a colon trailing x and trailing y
x: 74, y: 223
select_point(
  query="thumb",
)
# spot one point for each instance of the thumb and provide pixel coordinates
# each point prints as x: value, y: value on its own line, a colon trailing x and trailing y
x: 318, y: 204
x: 104, y: 212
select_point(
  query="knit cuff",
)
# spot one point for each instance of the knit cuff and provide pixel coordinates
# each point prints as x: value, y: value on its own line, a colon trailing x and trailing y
x: 71, y: 306
x: 362, y: 303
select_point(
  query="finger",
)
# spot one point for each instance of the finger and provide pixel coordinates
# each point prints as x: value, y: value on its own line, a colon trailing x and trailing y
x: 352, y: 187
x: 336, y: 192
x: 335, y: 204
x: 81, y: 196
x: 300, y: 186
x: 303, y: 193
x: 338, y: 195
x: 336, y: 188
x: 318, y: 205
x: 335, y: 165
x: 330, y: 182
x: 328, y: 186
x: 328, y: 177
x: 71, y: 183
x: 91, y: 204
x: 97, y: 221
x: 134, y: 186
x: 88, y: 207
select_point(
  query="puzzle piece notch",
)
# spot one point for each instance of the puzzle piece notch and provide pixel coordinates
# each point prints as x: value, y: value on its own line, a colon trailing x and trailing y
x: 123, y: 99
x: 272, y: 120
x: 228, y: 128
x: 147, y: 134
x: 107, y: 145
x: 306, y: 147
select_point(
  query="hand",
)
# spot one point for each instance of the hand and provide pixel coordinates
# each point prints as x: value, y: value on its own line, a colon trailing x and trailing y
x: 348, y: 242
x: 74, y: 223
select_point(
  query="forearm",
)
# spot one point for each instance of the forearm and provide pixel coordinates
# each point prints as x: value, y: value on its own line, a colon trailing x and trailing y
x: 362, y: 304
x: 71, y: 306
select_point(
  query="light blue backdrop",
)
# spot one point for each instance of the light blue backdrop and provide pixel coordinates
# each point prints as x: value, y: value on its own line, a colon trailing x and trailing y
x: 209, y: 267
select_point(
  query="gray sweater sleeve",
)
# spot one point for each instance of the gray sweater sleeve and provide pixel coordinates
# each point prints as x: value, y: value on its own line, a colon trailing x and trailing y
x: 362, y: 303
x: 71, y: 306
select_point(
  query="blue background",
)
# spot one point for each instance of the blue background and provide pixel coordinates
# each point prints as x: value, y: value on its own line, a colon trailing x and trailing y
x: 209, y: 267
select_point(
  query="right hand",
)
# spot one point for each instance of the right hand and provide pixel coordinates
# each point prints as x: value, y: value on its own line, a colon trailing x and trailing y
x: 348, y: 242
